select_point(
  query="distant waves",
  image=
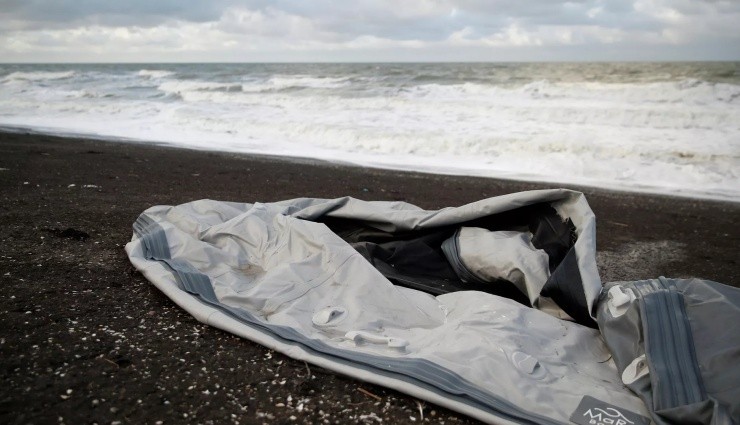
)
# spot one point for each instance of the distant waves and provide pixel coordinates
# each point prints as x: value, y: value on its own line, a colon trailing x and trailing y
x: 668, y: 128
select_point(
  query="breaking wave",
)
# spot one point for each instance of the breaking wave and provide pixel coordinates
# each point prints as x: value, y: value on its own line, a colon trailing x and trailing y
x: 37, y: 76
x: 659, y: 133
x: 154, y: 73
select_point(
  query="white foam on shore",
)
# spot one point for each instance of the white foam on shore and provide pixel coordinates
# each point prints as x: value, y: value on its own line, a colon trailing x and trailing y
x: 674, y: 137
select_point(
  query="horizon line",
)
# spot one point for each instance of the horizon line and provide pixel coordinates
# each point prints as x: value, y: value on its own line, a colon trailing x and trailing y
x: 360, y: 62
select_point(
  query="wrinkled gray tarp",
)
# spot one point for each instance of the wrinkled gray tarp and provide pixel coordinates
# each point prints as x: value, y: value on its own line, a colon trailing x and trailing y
x: 383, y: 291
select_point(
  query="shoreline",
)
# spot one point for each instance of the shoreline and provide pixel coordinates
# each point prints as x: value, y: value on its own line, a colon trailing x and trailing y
x: 379, y: 165
x: 87, y: 339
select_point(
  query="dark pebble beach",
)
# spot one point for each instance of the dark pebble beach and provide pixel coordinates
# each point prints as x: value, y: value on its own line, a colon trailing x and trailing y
x: 86, y: 339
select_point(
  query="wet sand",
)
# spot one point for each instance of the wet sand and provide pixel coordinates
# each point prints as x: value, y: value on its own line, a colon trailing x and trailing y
x: 86, y: 339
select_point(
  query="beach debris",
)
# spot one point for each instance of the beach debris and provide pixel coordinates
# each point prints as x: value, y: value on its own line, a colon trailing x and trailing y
x: 71, y: 185
x: 616, y: 223
x: 90, y: 186
x: 4, y: 169
x: 110, y: 361
x: 368, y: 393
x: 121, y: 362
x: 69, y: 233
x: 421, y: 407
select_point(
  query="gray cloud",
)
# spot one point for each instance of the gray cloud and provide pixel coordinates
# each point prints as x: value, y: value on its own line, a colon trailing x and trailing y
x: 40, y: 14
x: 369, y: 29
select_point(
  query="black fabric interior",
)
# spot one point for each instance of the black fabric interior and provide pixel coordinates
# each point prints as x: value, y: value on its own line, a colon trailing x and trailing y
x: 565, y: 287
x: 415, y: 259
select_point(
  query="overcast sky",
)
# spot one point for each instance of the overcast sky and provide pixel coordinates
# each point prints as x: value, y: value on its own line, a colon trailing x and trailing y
x: 367, y: 30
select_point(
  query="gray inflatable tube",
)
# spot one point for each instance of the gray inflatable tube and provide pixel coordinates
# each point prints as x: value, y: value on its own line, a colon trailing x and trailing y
x: 494, y: 309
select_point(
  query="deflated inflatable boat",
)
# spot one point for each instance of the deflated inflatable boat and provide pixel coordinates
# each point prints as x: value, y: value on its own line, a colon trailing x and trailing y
x: 494, y: 309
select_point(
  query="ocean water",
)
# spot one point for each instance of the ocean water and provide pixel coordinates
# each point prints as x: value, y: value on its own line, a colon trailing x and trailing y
x: 654, y: 127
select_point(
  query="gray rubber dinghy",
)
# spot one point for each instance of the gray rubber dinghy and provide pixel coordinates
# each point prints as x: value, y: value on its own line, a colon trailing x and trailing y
x: 494, y: 309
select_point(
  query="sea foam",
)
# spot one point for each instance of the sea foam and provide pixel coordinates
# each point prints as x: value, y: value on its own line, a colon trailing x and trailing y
x: 677, y: 135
